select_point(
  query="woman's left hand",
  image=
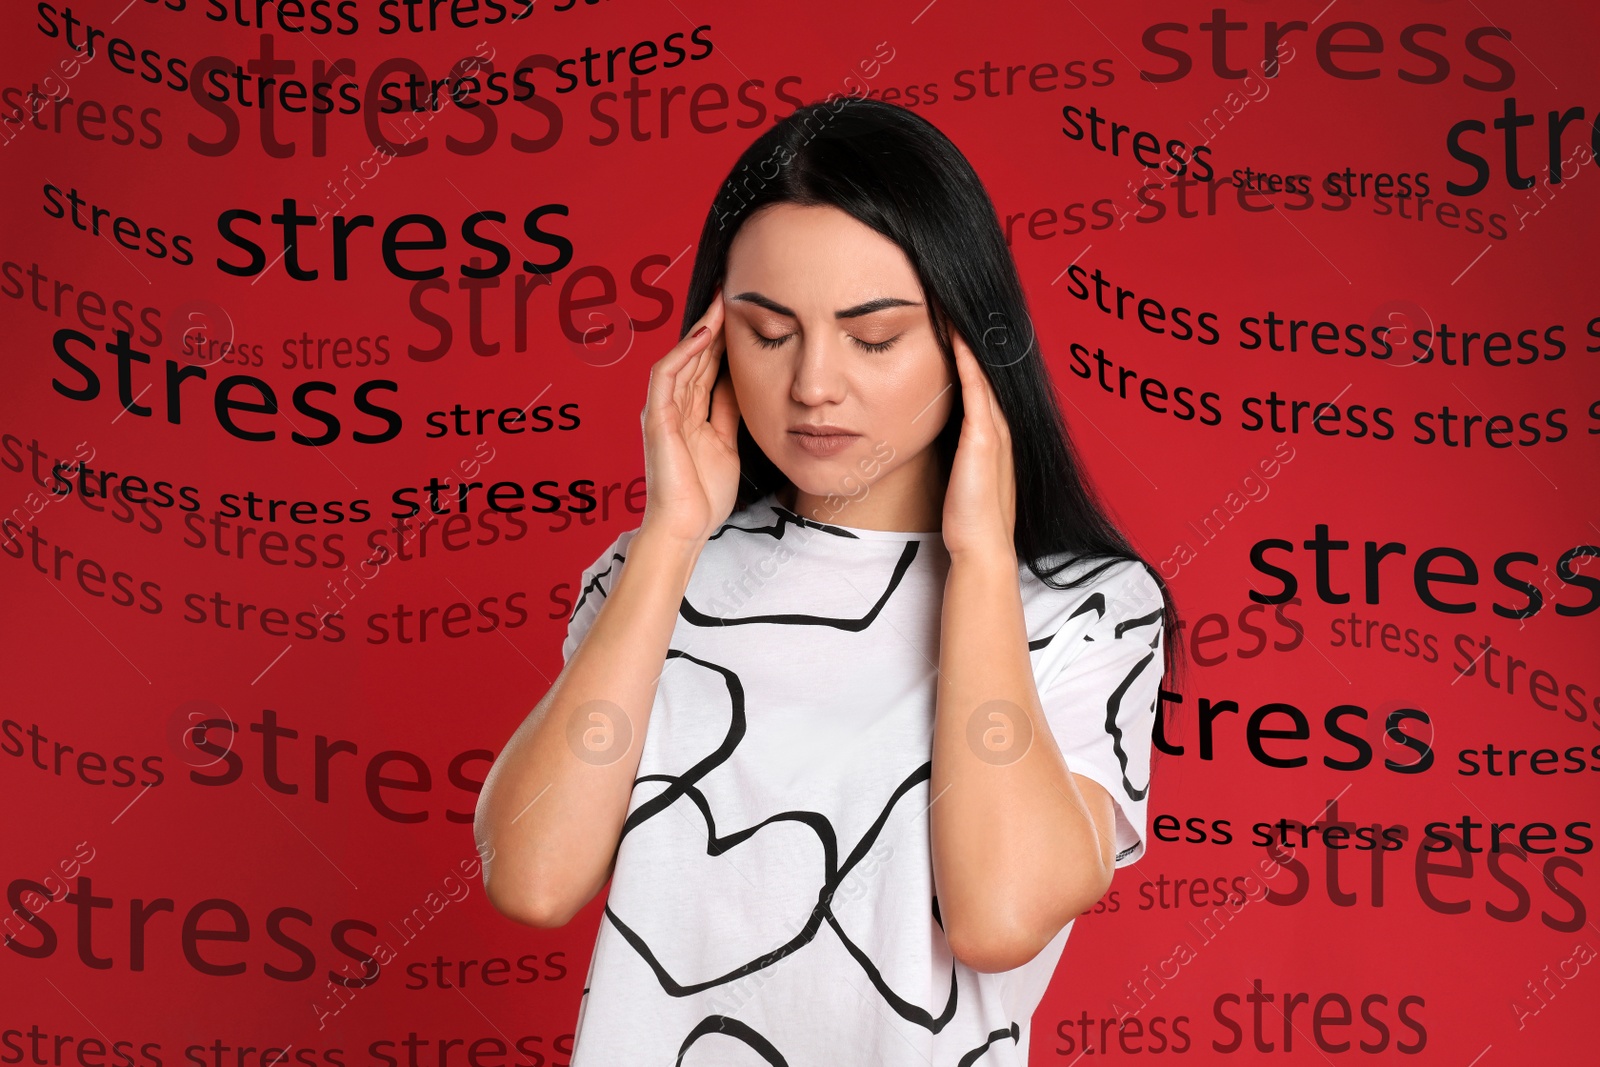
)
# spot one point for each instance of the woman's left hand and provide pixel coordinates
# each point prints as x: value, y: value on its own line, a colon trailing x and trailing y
x: 980, y: 503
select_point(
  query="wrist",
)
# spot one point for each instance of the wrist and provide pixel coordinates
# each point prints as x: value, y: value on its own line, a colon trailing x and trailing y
x: 665, y: 555
x: 996, y: 559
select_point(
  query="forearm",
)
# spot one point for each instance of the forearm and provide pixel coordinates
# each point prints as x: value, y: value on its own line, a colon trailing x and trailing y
x: 1016, y: 852
x: 552, y: 806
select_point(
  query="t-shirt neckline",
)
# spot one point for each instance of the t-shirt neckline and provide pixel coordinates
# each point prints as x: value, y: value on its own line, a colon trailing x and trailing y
x: 771, y: 502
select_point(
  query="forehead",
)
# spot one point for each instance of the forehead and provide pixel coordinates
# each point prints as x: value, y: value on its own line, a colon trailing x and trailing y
x: 817, y: 258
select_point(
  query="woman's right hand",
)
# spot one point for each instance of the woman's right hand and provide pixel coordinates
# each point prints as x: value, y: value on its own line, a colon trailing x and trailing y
x: 691, y: 464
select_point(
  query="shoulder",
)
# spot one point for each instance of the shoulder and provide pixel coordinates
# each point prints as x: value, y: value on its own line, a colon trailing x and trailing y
x: 1119, y: 580
x: 1089, y: 596
x: 601, y: 574
x: 593, y: 588
x: 612, y: 556
x: 1132, y: 584
x: 754, y: 517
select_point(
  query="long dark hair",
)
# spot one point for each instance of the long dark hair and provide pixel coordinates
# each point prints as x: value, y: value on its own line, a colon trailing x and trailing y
x: 896, y: 172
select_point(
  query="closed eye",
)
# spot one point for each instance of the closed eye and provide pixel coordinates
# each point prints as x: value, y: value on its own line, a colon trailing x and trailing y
x: 769, y: 342
x: 776, y: 342
x: 879, y: 347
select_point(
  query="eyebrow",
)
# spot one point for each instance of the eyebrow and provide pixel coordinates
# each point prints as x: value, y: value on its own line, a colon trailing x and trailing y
x: 881, y: 304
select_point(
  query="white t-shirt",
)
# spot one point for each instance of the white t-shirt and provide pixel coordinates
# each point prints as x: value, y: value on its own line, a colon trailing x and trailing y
x: 793, y: 727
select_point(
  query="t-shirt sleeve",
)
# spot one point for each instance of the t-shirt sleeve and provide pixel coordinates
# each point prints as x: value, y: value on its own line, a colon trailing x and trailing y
x: 1101, y: 702
x: 593, y: 588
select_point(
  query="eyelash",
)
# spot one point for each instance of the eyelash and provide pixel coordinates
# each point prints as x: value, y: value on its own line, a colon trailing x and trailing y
x: 774, y: 342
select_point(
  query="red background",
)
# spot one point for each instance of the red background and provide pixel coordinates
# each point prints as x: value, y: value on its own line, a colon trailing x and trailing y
x: 120, y: 681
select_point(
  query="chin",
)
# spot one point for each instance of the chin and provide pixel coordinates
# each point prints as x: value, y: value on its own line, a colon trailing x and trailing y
x: 816, y: 477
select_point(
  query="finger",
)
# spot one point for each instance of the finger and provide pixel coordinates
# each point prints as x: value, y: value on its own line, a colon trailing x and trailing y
x: 706, y: 369
x: 1002, y: 427
x: 689, y: 391
x: 698, y: 409
x: 681, y: 356
x: 985, y: 389
x: 707, y: 356
x: 702, y: 392
x: 1002, y: 432
x: 963, y: 362
x: 713, y: 311
x: 662, y: 389
x: 975, y: 401
x: 725, y: 410
x: 690, y: 345
x: 718, y: 369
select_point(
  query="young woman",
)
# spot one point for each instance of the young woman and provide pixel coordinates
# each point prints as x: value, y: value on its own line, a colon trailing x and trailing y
x: 858, y: 719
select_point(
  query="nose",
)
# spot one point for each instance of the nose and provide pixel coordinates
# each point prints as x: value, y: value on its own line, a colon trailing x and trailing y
x: 818, y: 373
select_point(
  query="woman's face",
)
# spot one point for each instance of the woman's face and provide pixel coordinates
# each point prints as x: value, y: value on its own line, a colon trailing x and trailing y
x: 831, y: 350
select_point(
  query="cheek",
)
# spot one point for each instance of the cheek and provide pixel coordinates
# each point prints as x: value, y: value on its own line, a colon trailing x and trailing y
x: 933, y: 395
x: 931, y: 422
x: 756, y: 389
x: 915, y: 403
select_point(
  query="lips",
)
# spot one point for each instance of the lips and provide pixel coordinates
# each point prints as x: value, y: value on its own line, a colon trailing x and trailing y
x: 822, y: 440
x: 822, y: 429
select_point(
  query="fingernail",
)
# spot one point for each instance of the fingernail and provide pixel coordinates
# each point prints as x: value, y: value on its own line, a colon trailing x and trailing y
x: 698, y: 332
